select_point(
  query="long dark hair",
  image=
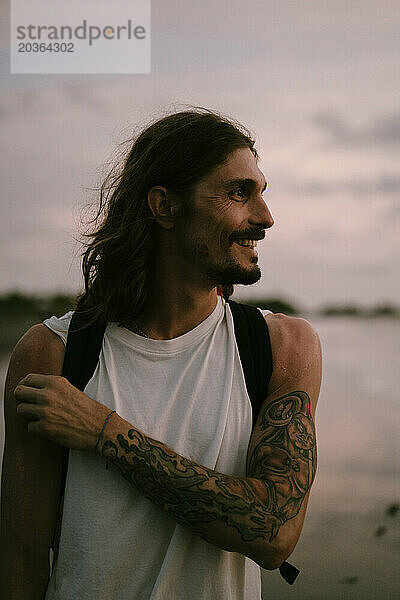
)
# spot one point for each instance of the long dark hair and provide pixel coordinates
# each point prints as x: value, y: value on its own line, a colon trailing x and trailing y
x: 174, y: 152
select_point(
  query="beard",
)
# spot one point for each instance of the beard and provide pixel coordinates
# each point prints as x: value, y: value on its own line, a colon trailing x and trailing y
x: 226, y: 273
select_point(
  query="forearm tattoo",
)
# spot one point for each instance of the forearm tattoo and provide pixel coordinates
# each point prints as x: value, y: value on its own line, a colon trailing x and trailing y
x: 281, y: 467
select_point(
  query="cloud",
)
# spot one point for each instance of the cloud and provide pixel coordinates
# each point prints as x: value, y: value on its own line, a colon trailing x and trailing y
x: 383, y: 130
x: 386, y: 184
x: 34, y: 102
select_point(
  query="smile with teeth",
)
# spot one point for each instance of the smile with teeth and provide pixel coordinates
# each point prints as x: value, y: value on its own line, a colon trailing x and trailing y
x: 247, y: 243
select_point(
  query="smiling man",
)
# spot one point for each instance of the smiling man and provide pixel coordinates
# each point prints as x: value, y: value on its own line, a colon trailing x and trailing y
x: 211, y: 489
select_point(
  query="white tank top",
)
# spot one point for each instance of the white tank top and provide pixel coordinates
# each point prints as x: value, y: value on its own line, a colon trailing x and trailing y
x: 190, y: 393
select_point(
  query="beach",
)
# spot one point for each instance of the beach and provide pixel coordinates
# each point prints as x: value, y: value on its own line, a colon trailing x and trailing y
x: 349, y: 546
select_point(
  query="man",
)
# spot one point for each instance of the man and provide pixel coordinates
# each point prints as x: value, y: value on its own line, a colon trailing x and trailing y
x: 167, y: 406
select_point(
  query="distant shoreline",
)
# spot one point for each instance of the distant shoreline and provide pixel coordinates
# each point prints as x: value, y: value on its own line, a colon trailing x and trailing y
x: 19, y: 311
x: 331, y: 310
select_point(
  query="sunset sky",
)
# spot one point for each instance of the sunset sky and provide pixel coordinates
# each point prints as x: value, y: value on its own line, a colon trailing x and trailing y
x: 317, y: 82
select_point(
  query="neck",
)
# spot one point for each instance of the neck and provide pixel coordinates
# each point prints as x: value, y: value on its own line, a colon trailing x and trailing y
x: 177, y: 301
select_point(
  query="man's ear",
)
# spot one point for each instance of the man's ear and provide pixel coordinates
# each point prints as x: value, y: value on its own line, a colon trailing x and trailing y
x: 163, y: 206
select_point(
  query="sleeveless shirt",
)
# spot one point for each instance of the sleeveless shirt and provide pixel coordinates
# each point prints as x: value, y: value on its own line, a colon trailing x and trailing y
x: 189, y: 393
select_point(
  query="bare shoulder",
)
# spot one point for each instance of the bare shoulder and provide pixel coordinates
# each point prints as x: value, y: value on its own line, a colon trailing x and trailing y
x: 291, y: 333
x: 296, y: 350
x: 39, y: 350
x: 39, y: 337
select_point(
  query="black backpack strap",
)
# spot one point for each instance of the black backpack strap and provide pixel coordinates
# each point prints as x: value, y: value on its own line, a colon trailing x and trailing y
x: 82, y: 350
x: 254, y: 345
x: 252, y: 337
x: 80, y: 360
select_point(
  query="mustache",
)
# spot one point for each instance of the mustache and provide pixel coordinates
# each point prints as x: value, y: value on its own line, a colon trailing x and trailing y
x: 247, y: 234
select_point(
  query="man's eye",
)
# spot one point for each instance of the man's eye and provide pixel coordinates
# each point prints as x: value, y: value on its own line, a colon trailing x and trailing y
x: 239, y: 194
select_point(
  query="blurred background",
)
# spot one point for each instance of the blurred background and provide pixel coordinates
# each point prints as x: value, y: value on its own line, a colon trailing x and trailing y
x: 318, y: 84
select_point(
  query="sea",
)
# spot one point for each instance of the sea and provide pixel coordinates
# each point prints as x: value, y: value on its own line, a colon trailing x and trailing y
x: 350, y: 545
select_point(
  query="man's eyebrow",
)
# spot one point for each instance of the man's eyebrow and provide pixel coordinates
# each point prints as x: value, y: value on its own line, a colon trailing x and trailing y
x: 245, y: 182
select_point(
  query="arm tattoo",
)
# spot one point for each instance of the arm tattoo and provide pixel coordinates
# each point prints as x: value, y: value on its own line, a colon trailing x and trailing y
x: 281, y: 467
x: 285, y: 455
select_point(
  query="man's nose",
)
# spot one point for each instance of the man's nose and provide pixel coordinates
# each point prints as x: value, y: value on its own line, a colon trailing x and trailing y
x: 260, y: 214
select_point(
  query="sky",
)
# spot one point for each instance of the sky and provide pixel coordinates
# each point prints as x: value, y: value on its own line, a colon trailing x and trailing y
x: 317, y: 83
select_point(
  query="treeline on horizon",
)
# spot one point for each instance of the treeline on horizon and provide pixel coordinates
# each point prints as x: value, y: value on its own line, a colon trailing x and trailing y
x: 19, y: 311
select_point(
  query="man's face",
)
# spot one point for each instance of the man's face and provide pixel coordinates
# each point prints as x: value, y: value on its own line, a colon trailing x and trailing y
x: 227, y: 216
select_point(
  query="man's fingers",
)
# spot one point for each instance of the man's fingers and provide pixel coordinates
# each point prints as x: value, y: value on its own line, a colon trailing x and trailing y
x: 36, y: 380
x: 29, y: 411
x: 23, y: 393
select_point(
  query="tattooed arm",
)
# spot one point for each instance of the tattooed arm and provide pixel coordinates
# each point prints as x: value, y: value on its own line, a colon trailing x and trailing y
x: 282, y: 454
x: 260, y: 515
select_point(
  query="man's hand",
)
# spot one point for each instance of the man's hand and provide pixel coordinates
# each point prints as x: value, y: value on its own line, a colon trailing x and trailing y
x: 59, y: 411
